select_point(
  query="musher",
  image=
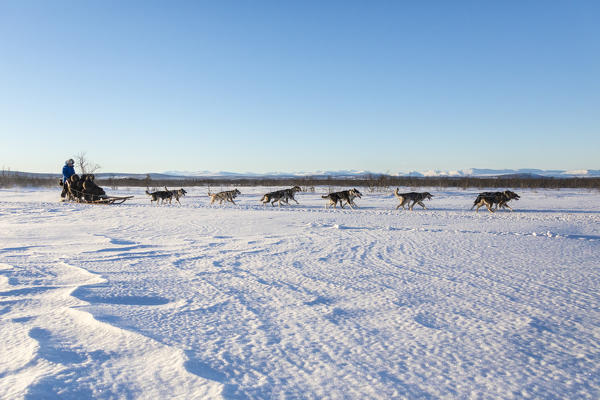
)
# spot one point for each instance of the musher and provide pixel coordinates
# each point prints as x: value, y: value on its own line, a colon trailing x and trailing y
x: 67, y: 171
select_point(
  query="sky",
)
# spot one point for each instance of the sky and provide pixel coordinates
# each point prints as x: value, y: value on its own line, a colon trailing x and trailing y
x: 282, y: 86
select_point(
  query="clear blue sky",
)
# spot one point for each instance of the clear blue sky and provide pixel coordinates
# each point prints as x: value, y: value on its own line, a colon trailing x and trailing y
x: 384, y: 86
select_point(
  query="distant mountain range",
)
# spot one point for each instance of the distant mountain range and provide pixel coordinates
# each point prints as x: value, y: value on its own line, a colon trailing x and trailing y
x: 480, y: 172
x: 474, y: 172
x: 471, y: 172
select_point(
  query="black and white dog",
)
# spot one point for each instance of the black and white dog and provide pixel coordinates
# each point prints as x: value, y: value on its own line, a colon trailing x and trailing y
x: 500, y: 199
x: 416, y: 198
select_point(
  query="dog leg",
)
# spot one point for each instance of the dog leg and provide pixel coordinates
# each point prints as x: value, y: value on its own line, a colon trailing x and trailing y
x: 401, y: 204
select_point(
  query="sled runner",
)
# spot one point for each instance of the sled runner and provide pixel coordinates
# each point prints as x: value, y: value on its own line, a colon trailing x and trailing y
x: 110, y: 200
x: 105, y: 200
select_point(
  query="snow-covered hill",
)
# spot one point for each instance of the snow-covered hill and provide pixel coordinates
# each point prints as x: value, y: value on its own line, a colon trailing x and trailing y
x: 474, y: 172
x: 470, y: 172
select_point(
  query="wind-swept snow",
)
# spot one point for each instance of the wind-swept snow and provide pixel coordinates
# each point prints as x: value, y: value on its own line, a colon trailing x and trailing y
x: 246, y: 301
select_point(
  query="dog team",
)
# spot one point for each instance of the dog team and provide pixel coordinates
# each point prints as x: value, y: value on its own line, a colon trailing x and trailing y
x: 491, y: 200
x: 84, y: 188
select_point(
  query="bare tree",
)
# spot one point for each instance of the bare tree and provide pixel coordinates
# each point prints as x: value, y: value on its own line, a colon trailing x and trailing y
x: 85, y: 166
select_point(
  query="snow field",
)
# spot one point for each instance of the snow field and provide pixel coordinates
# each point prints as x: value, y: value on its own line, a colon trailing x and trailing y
x: 248, y: 301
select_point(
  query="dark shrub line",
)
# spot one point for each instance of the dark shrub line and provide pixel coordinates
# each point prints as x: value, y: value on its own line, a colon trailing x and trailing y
x: 374, y: 183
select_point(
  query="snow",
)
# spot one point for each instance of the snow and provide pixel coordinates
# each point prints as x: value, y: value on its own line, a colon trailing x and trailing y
x: 247, y: 301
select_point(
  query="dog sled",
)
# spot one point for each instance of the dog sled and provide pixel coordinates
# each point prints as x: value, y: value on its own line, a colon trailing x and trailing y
x: 95, y: 199
x: 109, y: 200
x: 85, y: 190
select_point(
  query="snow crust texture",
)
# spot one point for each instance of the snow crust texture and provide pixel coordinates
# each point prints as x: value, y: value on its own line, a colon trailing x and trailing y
x: 195, y: 301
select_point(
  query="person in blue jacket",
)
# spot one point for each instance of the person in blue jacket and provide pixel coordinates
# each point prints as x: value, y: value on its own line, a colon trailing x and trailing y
x: 67, y: 171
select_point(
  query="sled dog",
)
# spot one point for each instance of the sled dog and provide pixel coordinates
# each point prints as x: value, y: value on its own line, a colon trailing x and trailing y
x: 346, y: 195
x: 177, y: 193
x: 284, y: 195
x: 162, y: 195
x: 416, y: 198
x: 489, y: 199
x: 226, y: 196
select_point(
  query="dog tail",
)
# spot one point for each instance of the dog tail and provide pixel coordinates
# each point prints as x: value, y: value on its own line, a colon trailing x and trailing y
x: 148, y: 193
x: 325, y: 197
x: 477, y: 200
